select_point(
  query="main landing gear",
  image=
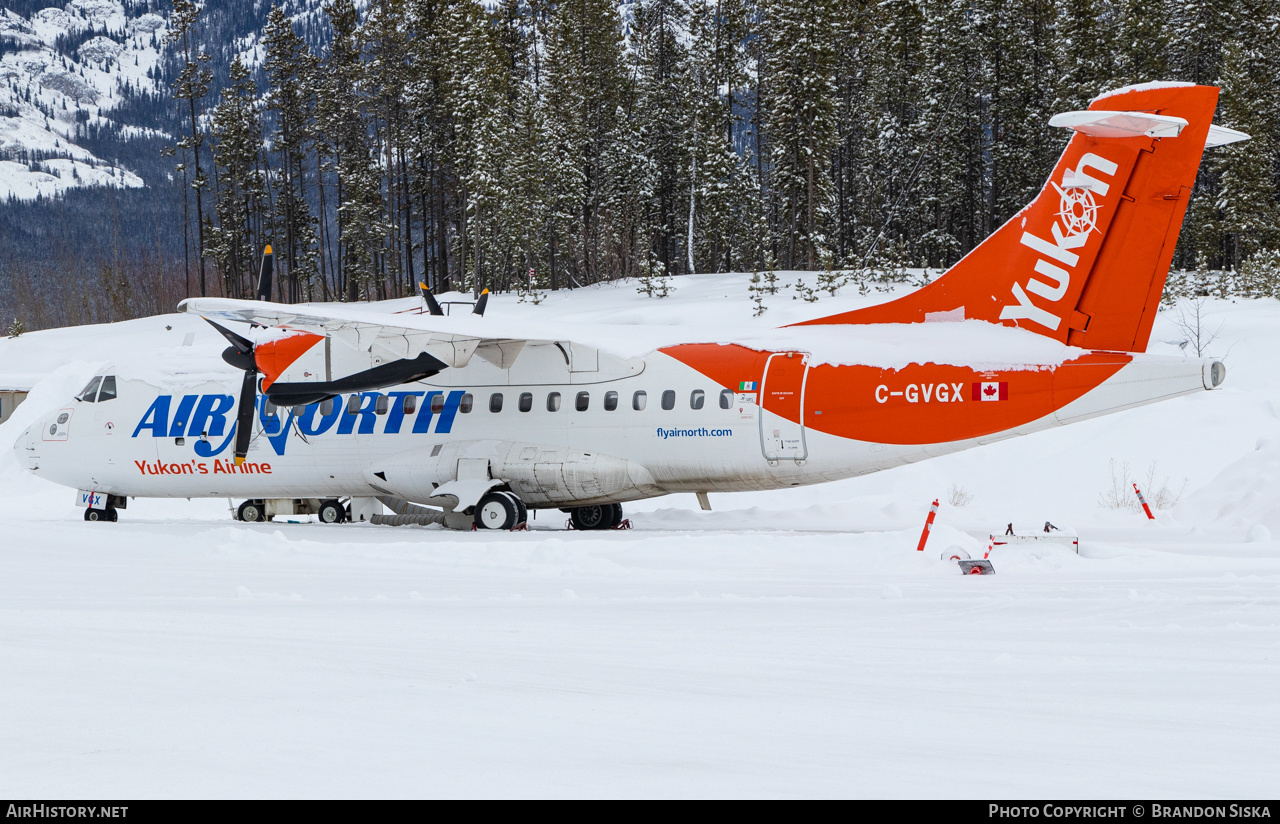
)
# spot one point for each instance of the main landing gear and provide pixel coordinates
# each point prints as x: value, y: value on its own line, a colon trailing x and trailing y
x: 251, y: 512
x: 601, y: 516
x: 500, y: 509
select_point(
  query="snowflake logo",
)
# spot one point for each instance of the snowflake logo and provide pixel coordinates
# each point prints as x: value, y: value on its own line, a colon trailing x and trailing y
x: 1077, y: 209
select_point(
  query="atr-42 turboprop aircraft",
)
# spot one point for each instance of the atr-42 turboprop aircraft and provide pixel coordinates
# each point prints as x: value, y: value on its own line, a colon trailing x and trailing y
x: 343, y: 410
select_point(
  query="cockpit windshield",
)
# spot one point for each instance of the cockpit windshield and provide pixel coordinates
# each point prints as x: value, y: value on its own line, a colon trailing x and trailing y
x: 90, y: 392
x: 101, y: 388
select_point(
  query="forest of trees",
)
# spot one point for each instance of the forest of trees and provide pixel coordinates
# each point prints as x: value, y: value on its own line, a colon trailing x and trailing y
x: 558, y: 144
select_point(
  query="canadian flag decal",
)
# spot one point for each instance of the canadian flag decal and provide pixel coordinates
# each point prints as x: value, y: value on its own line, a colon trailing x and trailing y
x: 991, y: 391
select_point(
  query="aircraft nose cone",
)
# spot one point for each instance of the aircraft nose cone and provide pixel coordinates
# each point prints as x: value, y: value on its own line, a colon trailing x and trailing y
x: 26, y: 446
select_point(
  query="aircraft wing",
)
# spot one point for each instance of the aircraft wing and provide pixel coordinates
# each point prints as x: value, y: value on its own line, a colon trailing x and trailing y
x: 451, y: 340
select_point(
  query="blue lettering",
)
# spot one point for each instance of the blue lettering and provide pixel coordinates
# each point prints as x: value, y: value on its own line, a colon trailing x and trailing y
x: 422, y: 423
x: 307, y: 420
x: 210, y: 417
x: 183, y: 415
x: 205, y: 449
x: 449, y: 412
x: 366, y: 413
x: 156, y: 419
x: 395, y: 415
x: 275, y: 427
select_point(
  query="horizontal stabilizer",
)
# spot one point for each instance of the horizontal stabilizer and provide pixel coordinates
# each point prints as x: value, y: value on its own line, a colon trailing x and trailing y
x: 1222, y: 136
x: 1119, y: 124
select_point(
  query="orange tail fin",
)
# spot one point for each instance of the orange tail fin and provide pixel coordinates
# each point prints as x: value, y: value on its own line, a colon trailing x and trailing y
x: 1085, y: 262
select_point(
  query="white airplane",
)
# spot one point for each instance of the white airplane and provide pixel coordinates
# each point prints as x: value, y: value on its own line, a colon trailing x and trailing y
x: 345, y: 410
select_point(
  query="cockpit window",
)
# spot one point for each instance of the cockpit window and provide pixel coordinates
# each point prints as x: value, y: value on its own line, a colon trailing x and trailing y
x: 108, y: 392
x: 90, y: 393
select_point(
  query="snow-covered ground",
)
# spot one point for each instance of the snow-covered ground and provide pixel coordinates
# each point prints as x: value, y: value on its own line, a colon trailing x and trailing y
x: 786, y: 643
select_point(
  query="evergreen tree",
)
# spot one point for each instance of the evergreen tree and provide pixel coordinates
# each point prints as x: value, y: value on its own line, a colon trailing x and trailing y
x: 191, y: 86
x: 290, y: 70
x: 385, y: 36
x: 342, y: 111
x: 478, y: 98
x: 587, y: 95
x: 665, y: 87
x: 952, y: 132
x: 430, y: 140
x: 1141, y: 47
x: 237, y: 133
x: 1248, y: 171
x: 722, y: 203
x: 801, y: 56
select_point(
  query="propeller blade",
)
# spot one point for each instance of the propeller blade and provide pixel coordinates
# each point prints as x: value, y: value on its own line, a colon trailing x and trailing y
x: 432, y: 306
x: 264, y: 276
x: 240, y: 353
x: 244, y: 414
x: 242, y: 345
x: 482, y: 303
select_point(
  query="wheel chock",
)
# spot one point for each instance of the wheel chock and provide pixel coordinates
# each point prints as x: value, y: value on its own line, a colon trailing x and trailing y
x: 523, y: 526
x: 978, y: 567
x: 625, y: 523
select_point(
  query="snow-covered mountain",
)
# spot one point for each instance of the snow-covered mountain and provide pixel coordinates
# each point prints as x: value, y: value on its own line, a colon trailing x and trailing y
x: 62, y: 71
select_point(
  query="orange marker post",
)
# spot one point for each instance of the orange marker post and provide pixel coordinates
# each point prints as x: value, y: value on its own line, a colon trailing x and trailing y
x: 1143, y: 500
x: 928, y: 525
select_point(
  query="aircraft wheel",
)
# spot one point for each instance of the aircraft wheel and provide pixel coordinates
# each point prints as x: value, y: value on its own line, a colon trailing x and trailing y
x: 331, y: 512
x: 522, y: 511
x: 251, y: 512
x: 94, y: 515
x: 595, y: 517
x: 497, y: 510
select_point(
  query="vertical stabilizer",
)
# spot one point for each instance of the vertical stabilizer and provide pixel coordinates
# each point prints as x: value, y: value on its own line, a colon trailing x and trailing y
x: 1085, y: 262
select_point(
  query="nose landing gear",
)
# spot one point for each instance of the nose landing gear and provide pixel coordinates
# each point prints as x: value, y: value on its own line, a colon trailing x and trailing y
x: 109, y: 514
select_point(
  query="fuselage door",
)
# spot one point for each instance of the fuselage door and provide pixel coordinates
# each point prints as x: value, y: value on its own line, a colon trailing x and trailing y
x: 782, y: 407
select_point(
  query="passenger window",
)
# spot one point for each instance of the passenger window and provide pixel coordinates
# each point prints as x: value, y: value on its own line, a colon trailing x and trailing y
x: 466, y: 403
x: 326, y: 407
x: 638, y: 400
x: 726, y: 398
x: 108, y: 392
x: 90, y: 393
x: 410, y: 404
x: 582, y: 401
x: 553, y: 402
x: 697, y: 399
x: 669, y: 399
x: 437, y: 404
x: 610, y: 401
x: 526, y: 401
x: 353, y: 404
x: 495, y: 402
x: 381, y: 405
